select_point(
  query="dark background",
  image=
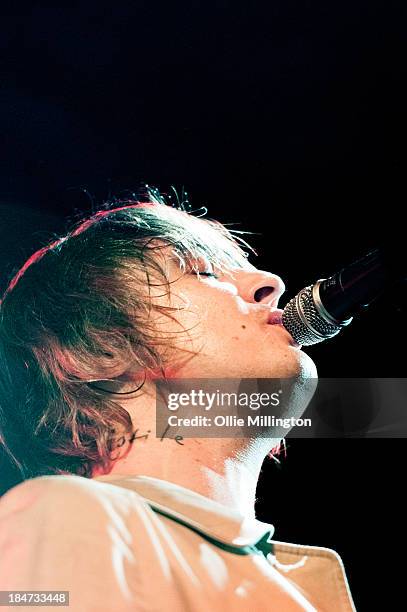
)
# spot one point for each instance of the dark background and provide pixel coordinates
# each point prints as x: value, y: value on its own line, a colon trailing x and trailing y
x: 286, y: 118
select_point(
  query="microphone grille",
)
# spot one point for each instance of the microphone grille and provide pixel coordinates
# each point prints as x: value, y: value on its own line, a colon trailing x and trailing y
x: 304, y: 322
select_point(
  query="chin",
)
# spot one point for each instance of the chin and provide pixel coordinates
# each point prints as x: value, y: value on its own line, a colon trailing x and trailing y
x: 306, y: 366
x: 305, y: 383
x: 293, y: 364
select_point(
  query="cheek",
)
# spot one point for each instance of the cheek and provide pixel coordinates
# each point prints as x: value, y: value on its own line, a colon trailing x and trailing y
x: 215, y: 321
x: 239, y: 334
x: 226, y: 330
x: 187, y: 327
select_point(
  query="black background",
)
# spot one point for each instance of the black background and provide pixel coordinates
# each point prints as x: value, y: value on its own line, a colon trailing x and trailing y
x: 285, y: 118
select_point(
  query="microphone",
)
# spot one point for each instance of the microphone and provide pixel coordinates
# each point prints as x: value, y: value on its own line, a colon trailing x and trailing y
x: 322, y: 310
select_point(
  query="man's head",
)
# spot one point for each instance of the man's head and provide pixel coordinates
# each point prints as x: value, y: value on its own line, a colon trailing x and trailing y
x: 131, y: 294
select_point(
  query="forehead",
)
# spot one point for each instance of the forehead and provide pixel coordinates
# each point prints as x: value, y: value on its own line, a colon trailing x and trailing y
x: 194, y: 240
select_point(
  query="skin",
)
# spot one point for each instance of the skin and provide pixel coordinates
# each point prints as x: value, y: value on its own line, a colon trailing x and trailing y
x: 229, y: 337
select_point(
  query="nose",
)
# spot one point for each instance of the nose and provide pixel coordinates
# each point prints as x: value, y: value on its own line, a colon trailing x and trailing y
x: 258, y: 286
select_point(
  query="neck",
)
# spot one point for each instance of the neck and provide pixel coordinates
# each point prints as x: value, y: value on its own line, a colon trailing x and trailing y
x: 225, y: 470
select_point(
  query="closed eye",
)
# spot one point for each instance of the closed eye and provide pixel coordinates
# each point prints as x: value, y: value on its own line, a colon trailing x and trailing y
x: 207, y: 274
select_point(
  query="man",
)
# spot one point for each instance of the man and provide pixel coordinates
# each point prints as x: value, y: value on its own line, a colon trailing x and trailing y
x: 120, y: 518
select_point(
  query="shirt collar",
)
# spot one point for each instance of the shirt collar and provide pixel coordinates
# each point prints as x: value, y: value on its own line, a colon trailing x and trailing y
x: 212, y: 518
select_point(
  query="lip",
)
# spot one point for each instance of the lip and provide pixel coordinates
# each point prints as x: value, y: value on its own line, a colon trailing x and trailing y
x: 275, y: 317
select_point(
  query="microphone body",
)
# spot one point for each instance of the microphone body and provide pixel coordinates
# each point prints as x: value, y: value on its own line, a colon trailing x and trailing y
x: 320, y: 311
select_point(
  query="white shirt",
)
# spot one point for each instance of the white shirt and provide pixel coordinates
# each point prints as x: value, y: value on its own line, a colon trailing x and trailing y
x: 121, y: 544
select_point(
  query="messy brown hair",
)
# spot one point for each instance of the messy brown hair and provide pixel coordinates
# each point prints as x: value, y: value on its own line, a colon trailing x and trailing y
x: 79, y: 312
